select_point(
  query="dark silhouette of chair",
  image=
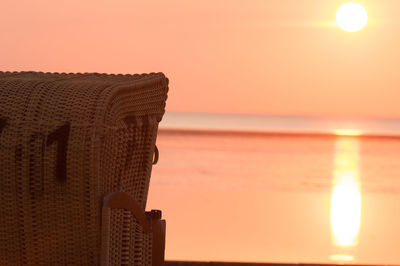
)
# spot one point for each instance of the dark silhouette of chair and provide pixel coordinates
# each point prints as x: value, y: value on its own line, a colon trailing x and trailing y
x: 76, y: 153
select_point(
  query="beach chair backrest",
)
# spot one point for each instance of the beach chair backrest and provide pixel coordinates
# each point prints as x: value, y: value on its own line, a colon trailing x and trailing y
x: 67, y: 141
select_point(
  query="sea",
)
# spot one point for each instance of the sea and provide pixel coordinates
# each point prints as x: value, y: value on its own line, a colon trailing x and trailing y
x: 287, y: 189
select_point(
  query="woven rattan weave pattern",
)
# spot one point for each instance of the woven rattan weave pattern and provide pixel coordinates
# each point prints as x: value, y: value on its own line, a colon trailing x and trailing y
x: 67, y: 140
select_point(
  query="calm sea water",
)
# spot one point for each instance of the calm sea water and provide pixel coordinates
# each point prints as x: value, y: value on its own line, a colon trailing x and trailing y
x: 278, y: 198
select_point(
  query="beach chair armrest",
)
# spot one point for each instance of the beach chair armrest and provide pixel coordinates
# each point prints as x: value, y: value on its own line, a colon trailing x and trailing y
x: 158, y: 229
x: 127, y: 230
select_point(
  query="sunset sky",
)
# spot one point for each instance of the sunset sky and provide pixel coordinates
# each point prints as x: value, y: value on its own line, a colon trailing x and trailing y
x: 283, y: 57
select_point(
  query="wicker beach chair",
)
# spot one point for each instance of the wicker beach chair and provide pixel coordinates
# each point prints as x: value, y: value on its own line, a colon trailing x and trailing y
x: 76, y: 153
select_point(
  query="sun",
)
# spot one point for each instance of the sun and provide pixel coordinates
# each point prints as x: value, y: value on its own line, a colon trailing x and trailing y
x: 351, y: 17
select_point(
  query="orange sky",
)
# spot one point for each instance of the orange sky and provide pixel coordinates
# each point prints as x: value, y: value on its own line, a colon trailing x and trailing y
x: 266, y: 57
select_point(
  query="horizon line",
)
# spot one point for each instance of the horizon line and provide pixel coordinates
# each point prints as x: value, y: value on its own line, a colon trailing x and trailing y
x: 272, y: 133
x: 281, y: 115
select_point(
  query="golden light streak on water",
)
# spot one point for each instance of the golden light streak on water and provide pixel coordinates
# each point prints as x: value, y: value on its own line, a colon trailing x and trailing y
x: 348, y: 132
x: 346, y: 195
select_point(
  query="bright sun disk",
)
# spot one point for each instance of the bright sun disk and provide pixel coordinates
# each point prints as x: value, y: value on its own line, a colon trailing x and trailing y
x: 351, y: 17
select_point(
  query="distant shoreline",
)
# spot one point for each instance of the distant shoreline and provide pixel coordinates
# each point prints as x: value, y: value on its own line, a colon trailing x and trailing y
x: 215, y: 263
x: 268, y: 125
x: 255, y: 133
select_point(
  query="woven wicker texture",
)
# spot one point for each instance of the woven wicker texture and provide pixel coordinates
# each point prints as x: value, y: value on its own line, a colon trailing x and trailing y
x: 67, y: 140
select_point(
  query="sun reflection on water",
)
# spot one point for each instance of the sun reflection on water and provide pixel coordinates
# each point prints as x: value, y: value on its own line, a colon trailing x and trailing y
x: 346, y: 195
x: 341, y: 257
